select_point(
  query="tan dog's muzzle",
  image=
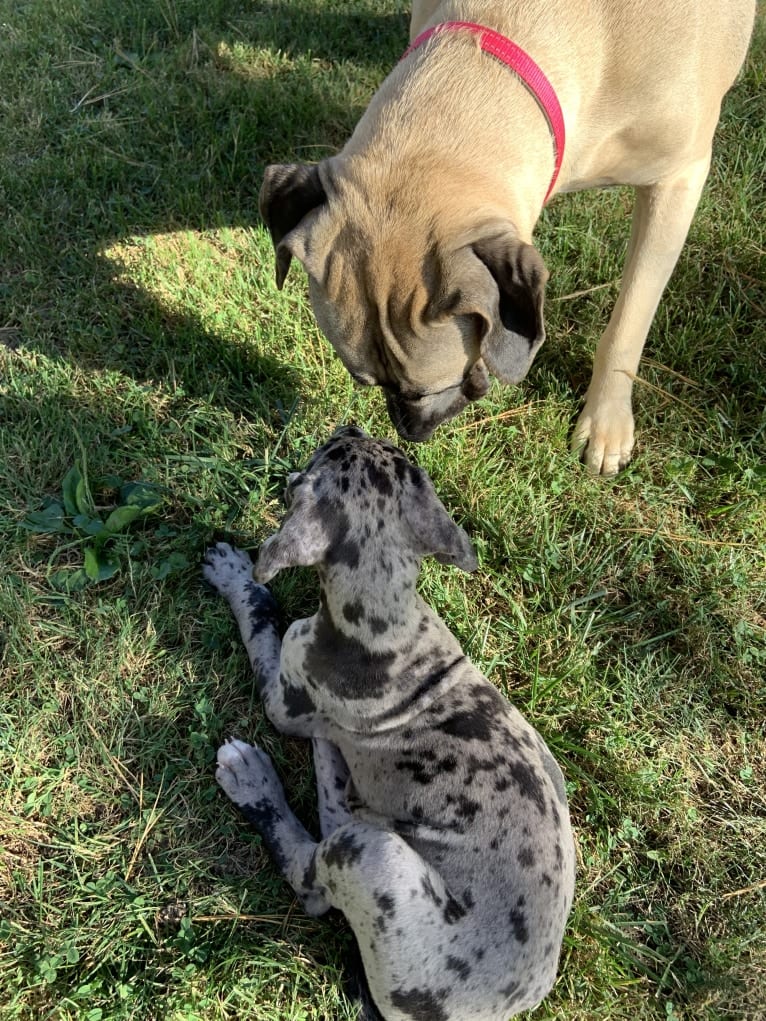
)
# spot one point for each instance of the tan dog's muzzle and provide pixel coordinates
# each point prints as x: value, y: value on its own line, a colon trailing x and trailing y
x: 416, y: 419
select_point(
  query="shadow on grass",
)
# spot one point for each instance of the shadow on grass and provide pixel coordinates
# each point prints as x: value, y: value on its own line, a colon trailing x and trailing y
x: 366, y: 35
x: 147, y: 119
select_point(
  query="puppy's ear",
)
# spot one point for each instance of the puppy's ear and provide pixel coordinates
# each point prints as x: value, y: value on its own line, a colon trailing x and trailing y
x: 514, y: 304
x: 302, y: 541
x: 433, y: 530
x: 289, y: 191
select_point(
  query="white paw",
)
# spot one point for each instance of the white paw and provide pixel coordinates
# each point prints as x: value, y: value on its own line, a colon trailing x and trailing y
x: 246, y: 774
x: 604, y: 437
x: 228, y: 569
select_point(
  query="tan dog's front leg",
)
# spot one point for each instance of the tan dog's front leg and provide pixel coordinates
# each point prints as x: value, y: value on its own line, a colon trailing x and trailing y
x: 661, y: 219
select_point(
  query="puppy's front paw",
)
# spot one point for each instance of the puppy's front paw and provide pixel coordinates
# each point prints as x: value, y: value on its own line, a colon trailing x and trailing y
x: 247, y: 775
x: 227, y: 568
x: 604, y: 437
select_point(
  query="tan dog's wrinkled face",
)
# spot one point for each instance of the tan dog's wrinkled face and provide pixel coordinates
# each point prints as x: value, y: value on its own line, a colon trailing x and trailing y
x: 424, y: 309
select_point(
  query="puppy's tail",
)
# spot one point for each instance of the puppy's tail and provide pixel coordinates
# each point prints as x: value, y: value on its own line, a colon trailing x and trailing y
x: 357, y: 987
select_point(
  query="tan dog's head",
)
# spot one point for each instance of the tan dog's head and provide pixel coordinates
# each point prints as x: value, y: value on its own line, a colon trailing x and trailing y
x: 420, y: 291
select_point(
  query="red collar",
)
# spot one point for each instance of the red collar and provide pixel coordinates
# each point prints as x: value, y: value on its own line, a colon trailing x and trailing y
x: 527, y: 70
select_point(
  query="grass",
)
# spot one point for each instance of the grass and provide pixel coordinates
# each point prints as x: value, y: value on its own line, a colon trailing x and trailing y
x: 142, y: 339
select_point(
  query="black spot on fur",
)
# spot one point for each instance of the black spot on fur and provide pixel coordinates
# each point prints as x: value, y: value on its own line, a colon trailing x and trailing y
x: 342, y: 850
x: 529, y: 783
x: 478, y: 722
x: 518, y: 922
x: 265, y: 817
x: 386, y: 903
x: 418, y: 770
x: 263, y: 615
x: 453, y: 911
x: 468, y: 725
x: 310, y: 875
x: 400, y: 467
x: 428, y: 889
x: 343, y: 665
x: 379, y: 480
x: 297, y: 700
x: 420, y: 1004
x: 342, y: 547
x: 514, y: 993
x: 526, y: 857
x: 467, y: 809
x: 461, y: 968
x: 353, y: 612
x: 545, y: 880
x: 345, y: 552
x: 378, y: 625
x: 416, y: 477
x: 477, y: 765
x: 555, y: 814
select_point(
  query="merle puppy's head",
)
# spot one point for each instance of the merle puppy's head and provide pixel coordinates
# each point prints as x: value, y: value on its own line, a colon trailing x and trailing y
x: 359, y: 502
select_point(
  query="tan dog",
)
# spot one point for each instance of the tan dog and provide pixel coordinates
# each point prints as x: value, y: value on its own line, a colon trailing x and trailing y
x: 417, y: 236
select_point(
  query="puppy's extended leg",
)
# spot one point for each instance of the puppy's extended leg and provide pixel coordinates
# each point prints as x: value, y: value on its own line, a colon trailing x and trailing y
x: 249, y: 779
x: 230, y: 572
x: 661, y: 220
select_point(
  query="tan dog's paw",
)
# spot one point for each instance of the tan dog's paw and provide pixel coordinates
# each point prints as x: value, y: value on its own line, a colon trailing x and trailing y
x: 603, y: 436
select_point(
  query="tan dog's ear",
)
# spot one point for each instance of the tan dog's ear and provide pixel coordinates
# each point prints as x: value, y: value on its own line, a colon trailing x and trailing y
x: 302, y: 540
x: 434, y: 531
x: 289, y: 191
x: 515, y: 328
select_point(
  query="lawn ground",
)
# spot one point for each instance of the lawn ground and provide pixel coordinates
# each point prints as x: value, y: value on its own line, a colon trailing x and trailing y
x: 152, y: 378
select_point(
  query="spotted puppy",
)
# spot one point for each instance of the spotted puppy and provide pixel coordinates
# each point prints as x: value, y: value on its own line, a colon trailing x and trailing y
x: 445, y: 831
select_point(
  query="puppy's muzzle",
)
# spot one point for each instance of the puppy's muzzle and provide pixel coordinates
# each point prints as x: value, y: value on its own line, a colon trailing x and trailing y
x: 417, y: 418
